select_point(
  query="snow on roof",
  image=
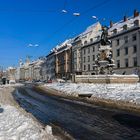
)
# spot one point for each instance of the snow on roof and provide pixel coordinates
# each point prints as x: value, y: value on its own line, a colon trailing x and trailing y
x: 10, y: 68
x: 65, y: 45
x: 119, y: 25
x: 89, y: 29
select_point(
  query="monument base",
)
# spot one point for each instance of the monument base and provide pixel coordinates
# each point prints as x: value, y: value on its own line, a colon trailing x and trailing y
x: 107, y: 79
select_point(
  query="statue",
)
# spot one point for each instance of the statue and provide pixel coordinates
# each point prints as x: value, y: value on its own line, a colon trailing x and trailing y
x: 104, y: 36
x: 104, y: 63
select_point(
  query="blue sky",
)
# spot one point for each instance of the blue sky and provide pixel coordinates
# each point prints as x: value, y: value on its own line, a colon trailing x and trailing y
x: 41, y: 22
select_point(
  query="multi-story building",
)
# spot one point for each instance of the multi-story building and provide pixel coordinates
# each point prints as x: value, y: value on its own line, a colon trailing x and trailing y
x: 76, y: 56
x: 125, y: 36
x: 89, y: 55
x: 50, y: 66
x: 37, y: 68
x: 11, y: 74
x: 63, y: 60
x: 44, y: 69
x: 84, y: 49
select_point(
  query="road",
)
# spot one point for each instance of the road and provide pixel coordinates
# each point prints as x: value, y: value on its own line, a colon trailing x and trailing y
x: 81, y: 120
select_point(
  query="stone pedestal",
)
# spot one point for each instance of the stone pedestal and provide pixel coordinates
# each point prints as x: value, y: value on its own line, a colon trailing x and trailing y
x: 106, y: 79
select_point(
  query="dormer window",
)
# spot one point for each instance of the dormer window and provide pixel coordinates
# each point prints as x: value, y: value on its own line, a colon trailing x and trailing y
x: 115, y: 31
x: 91, y: 40
x: 136, y: 22
x: 125, y: 27
x: 85, y: 42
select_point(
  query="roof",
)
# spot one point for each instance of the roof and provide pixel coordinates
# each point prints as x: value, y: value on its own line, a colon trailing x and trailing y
x: 119, y: 25
x: 89, y: 29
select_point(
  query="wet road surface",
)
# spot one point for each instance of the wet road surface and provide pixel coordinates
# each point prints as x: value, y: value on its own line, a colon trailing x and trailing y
x: 81, y: 120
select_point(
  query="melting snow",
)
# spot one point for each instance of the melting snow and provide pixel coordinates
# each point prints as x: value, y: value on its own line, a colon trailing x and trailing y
x: 15, y: 126
x: 122, y: 92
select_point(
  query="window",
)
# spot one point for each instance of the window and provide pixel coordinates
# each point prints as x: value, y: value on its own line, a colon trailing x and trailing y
x: 134, y: 37
x: 126, y: 39
x: 125, y: 27
x: 88, y: 50
x: 88, y: 58
x: 85, y: 42
x: 84, y: 51
x: 93, y: 57
x: 88, y: 67
x: 118, y: 63
x: 135, y: 61
x: 134, y: 48
x: 84, y: 67
x: 115, y: 31
x: 118, y: 42
x: 84, y: 59
x: 126, y: 62
x: 126, y: 50
x: 136, y: 22
x: 91, y: 40
x: 74, y: 66
x: 93, y: 49
x: 118, y: 52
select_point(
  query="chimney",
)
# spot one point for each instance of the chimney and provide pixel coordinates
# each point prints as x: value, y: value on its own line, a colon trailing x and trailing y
x: 136, y: 13
x: 125, y: 18
x: 111, y: 23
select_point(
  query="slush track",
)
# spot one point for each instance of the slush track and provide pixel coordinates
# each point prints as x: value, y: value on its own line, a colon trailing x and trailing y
x: 82, y: 121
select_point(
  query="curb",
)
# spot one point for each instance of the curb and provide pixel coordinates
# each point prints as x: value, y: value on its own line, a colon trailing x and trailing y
x: 121, y: 105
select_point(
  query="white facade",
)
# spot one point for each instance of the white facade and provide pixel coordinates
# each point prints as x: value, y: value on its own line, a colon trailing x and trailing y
x: 79, y: 55
x: 50, y: 66
x: 125, y: 36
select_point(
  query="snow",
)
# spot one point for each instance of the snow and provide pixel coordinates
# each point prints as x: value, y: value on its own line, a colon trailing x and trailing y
x: 90, y: 29
x: 17, y: 124
x: 119, y: 25
x: 117, y: 92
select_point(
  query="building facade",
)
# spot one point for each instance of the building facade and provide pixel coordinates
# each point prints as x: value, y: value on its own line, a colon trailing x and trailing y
x: 89, y: 55
x: 76, y: 56
x: 63, y: 60
x: 51, y: 66
x: 125, y: 37
x: 84, y: 50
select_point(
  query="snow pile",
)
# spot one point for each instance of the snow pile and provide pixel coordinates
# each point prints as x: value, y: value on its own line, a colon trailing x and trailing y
x: 119, y: 92
x: 11, y: 85
x: 16, y: 126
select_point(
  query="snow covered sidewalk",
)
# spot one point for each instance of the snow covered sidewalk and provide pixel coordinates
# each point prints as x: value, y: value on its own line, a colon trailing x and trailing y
x: 16, y: 126
x: 15, y: 123
x: 115, y: 92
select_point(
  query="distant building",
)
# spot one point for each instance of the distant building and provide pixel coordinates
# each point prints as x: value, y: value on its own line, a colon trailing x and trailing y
x: 63, y: 60
x: 11, y: 73
x: 37, y: 68
x: 44, y: 69
x: 50, y: 66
